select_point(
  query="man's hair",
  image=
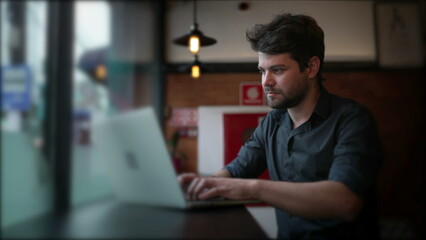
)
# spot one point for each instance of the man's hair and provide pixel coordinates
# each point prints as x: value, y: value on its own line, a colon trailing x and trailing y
x: 298, y: 35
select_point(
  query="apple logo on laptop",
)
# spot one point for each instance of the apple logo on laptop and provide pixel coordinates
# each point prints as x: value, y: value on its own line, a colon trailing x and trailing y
x: 131, y: 160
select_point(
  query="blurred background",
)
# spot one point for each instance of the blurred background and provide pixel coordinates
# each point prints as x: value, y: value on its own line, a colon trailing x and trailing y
x: 65, y: 65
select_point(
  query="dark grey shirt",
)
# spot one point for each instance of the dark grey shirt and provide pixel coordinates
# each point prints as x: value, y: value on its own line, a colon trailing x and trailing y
x: 339, y: 142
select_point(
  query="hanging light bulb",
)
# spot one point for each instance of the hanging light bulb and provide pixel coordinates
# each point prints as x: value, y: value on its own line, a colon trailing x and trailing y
x: 194, y: 44
x: 100, y: 72
x: 195, y: 68
x: 195, y: 71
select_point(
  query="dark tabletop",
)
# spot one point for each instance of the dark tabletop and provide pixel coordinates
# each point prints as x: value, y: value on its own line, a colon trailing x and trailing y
x: 110, y: 219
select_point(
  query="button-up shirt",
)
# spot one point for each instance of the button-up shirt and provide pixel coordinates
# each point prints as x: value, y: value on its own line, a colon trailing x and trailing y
x: 339, y: 142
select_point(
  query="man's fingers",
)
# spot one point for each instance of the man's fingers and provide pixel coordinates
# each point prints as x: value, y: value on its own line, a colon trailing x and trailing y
x: 209, y: 193
x: 199, y: 188
x: 194, y: 188
x: 186, y: 178
x: 191, y: 187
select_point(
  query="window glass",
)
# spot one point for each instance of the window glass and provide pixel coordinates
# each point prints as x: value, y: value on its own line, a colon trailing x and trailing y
x: 26, y: 183
x: 90, y: 97
x: 115, y: 72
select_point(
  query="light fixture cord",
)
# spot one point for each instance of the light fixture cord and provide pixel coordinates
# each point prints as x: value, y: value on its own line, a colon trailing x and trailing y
x: 195, y: 12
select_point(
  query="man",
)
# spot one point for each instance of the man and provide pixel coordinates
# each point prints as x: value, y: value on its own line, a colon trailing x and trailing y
x: 322, y: 151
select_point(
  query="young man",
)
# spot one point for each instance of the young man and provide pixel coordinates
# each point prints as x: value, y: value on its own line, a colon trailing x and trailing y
x: 322, y: 151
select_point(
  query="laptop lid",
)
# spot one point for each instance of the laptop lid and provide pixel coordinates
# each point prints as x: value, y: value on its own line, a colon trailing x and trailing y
x: 138, y: 162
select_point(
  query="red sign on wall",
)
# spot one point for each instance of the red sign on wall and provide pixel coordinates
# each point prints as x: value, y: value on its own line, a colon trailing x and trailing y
x: 238, y: 128
x: 251, y: 94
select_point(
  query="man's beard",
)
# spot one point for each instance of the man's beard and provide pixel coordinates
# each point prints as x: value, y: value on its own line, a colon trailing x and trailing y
x: 288, y: 100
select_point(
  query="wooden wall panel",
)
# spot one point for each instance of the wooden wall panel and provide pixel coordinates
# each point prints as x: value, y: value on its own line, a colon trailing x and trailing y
x: 397, y: 101
x: 209, y: 89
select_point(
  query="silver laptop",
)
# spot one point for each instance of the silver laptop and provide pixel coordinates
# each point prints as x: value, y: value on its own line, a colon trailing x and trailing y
x: 138, y: 162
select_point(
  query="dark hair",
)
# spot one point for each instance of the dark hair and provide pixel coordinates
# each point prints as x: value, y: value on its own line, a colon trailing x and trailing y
x: 298, y: 35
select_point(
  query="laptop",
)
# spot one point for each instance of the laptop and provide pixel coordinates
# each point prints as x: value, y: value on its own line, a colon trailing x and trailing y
x: 138, y: 163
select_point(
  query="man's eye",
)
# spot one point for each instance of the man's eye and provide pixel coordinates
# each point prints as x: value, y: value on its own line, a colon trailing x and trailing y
x: 278, y: 70
x: 262, y: 72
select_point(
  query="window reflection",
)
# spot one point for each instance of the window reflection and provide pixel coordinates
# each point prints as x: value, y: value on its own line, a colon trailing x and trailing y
x: 115, y: 71
x: 90, y: 100
x: 27, y: 188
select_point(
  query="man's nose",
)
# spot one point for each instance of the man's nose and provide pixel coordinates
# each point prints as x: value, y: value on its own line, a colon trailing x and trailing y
x: 268, y: 79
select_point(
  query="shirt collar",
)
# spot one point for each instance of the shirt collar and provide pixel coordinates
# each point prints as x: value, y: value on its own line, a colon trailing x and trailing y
x: 323, y: 104
x: 278, y: 115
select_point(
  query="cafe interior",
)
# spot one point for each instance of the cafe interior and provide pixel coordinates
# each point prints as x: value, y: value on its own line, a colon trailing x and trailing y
x: 65, y: 65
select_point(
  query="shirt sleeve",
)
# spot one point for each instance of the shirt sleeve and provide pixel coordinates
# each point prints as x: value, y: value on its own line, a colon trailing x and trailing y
x: 358, y: 151
x: 251, y: 159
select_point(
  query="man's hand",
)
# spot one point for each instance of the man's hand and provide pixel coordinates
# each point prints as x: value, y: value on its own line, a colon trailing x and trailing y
x: 313, y: 200
x: 208, y: 187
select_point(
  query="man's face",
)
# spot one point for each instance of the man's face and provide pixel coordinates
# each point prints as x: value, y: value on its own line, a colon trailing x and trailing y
x: 284, y: 85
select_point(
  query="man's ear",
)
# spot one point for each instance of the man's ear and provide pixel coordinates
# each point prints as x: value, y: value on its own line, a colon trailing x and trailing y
x: 313, y: 66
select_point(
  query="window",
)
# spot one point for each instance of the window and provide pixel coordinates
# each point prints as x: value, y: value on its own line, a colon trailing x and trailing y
x: 25, y: 170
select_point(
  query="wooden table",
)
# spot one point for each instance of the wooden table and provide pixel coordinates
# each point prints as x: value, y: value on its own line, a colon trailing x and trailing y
x: 111, y: 219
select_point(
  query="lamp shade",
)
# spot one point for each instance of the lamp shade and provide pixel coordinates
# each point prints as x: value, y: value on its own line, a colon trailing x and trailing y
x: 204, y: 40
x: 94, y: 64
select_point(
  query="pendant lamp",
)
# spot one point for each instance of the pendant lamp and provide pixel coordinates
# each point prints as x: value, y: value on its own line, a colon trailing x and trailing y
x: 194, y: 39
